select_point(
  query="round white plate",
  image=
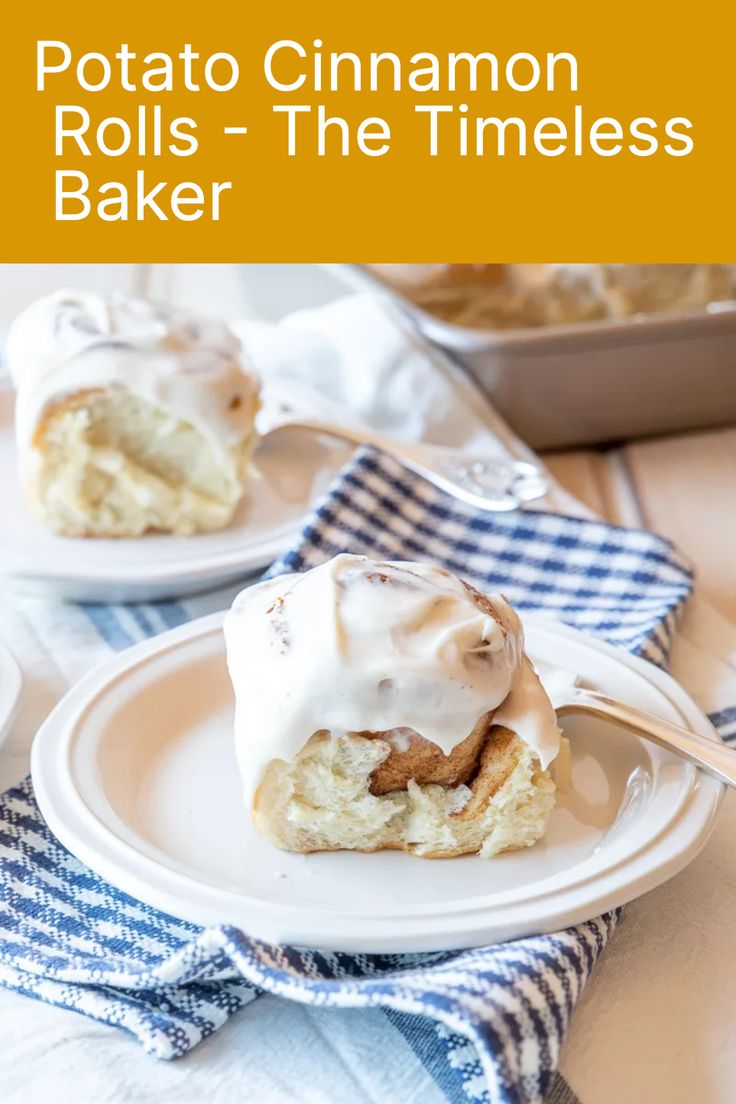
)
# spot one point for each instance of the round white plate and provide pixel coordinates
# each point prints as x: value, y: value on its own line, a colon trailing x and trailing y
x: 11, y: 684
x: 294, y: 470
x: 135, y: 773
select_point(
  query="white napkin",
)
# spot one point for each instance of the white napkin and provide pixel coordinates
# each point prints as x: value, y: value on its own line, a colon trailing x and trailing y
x: 369, y: 360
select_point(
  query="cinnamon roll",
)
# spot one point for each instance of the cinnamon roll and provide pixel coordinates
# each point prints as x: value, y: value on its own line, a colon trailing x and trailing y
x: 130, y: 416
x: 388, y: 705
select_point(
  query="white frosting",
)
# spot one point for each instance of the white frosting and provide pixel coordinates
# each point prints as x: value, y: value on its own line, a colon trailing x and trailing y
x: 75, y: 341
x: 358, y: 645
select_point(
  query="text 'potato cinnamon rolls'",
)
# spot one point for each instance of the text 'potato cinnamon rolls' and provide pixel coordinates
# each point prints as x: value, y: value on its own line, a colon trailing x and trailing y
x: 388, y: 705
x: 130, y: 416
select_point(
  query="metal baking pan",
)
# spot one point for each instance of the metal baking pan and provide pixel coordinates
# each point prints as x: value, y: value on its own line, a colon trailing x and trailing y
x: 599, y: 381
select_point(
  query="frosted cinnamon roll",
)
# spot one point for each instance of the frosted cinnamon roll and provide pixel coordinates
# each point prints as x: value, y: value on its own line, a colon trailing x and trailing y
x: 130, y: 416
x: 388, y: 705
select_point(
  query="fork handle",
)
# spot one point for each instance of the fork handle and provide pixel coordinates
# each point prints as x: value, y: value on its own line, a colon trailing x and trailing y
x: 705, y: 752
x: 510, y: 482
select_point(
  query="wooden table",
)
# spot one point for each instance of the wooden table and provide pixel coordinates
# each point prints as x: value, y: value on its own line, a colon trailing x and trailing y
x: 681, y: 486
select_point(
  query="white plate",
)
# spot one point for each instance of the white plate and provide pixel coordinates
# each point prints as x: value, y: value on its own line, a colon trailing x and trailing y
x: 135, y: 773
x: 11, y: 684
x: 294, y: 470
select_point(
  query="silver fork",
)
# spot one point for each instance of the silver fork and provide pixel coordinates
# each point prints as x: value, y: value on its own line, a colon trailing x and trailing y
x: 486, y: 482
x: 705, y: 752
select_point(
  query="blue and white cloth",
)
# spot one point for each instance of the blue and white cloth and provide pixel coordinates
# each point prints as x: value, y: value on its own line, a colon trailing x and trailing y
x: 487, y: 1024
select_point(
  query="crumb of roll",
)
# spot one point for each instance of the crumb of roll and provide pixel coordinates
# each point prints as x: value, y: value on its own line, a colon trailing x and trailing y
x: 111, y: 464
x: 322, y: 801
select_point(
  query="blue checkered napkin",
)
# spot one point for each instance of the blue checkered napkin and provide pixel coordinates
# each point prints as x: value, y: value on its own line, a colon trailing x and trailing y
x: 624, y: 585
x: 496, y: 1017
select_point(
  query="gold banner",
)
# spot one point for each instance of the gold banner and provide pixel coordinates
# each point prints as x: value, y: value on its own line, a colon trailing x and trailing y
x: 385, y: 131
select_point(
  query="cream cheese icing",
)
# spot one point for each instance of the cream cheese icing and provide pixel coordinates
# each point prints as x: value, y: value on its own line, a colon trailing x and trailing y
x: 74, y: 341
x: 358, y: 645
